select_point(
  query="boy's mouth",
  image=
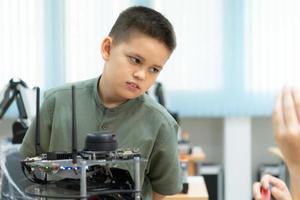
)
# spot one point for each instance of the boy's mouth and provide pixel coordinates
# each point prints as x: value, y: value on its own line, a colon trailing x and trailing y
x: 132, y: 86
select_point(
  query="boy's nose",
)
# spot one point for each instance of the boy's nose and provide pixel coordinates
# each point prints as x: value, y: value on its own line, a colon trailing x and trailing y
x: 140, y: 74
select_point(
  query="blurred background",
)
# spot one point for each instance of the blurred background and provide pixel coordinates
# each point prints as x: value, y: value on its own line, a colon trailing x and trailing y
x: 232, y: 58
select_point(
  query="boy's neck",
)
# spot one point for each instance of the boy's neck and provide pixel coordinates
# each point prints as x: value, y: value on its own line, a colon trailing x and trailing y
x: 107, y: 98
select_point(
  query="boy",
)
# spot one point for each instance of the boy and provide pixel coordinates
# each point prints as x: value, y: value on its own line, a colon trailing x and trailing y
x: 135, y: 51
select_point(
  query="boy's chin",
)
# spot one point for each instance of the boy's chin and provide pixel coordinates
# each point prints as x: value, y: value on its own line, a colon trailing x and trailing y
x: 126, y: 94
x: 131, y: 96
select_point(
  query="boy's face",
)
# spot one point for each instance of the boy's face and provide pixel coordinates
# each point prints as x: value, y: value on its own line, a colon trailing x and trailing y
x: 132, y: 66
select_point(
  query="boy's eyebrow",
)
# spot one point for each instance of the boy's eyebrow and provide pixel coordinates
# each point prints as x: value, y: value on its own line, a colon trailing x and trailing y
x: 139, y: 57
x: 142, y: 58
x: 157, y: 66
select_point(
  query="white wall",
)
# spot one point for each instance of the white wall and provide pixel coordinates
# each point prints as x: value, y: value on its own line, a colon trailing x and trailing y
x: 262, y: 139
x: 208, y: 133
x: 6, y: 128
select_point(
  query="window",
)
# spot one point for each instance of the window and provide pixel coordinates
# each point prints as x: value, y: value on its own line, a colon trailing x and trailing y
x: 196, y: 64
x: 272, y: 45
x: 22, y: 41
x: 87, y: 23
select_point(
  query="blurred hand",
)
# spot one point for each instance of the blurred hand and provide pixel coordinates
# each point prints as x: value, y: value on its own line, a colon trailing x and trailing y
x: 279, y: 189
x: 286, y: 126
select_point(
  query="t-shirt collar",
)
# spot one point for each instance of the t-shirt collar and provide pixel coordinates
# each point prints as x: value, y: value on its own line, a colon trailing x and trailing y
x: 100, y: 104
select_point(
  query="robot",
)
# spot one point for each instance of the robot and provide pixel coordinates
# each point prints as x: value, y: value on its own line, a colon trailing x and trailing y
x: 17, y: 90
x: 90, y: 173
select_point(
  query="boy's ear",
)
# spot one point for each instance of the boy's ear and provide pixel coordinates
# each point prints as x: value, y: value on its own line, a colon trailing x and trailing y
x: 106, y: 47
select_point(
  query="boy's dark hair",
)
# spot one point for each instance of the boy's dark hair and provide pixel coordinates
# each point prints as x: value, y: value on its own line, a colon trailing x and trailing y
x: 143, y: 20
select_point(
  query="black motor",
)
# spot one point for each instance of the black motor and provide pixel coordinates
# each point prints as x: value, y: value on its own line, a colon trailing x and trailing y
x: 100, y: 141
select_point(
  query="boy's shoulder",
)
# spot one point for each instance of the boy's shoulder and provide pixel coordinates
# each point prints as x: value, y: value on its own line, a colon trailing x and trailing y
x: 66, y: 88
x: 157, y: 109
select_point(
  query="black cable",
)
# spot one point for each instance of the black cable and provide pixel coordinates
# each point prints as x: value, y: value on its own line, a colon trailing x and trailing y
x: 37, y: 127
x: 74, y: 128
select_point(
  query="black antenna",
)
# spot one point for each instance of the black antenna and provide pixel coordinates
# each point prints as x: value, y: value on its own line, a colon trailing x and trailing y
x: 37, y: 127
x: 74, y: 128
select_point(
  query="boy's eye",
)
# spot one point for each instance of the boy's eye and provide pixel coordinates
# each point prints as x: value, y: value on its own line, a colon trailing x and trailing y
x: 134, y: 60
x: 154, y: 70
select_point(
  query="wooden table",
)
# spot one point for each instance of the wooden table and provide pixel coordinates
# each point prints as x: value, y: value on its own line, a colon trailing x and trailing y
x: 197, y: 190
x: 192, y: 162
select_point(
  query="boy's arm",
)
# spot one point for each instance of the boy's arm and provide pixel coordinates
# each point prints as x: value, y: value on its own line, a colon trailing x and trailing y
x: 286, y: 130
x: 164, y: 167
x: 157, y: 196
x: 295, y: 183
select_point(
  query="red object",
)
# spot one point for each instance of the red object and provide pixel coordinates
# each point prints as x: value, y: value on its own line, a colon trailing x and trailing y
x: 265, y: 194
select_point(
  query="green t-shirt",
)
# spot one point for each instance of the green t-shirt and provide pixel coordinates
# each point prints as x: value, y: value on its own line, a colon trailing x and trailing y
x: 140, y: 123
